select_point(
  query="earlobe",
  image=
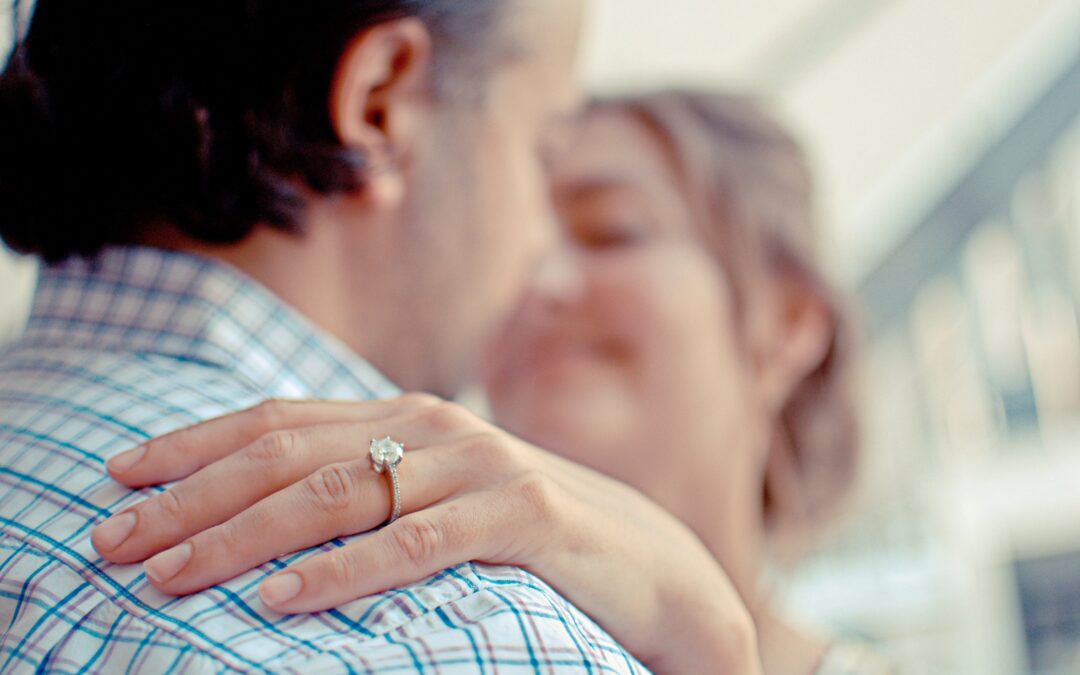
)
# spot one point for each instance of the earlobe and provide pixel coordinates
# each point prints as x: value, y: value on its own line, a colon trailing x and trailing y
x: 799, y: 341
x: 380, y: 99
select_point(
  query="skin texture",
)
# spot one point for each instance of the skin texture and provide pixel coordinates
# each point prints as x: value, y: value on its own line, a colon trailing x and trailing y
x: 470, y: 492
x: 418, y: 268
x: 632, y: 362
x: 626, y: 346
x: 454, y: 219
x: 627, y: 356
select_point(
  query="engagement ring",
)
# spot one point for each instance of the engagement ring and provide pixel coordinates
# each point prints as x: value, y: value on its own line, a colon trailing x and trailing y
x: 385, y: 456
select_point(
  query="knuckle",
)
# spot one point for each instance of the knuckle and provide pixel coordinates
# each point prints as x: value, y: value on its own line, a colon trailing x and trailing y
x: 271, y: 413
x: 417, y: 540
x: 243, y: 533
x: 226, y: 537
x: 171, y: 505
x: 490, y: 449
x: 538, y: 493
x: 334, y: 487
x: 341, y: 569
x: 450, y: 417
x: 272, y: 447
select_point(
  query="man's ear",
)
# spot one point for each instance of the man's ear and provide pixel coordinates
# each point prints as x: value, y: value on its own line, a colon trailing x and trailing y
x: 380, y: 100
x: 797, y: 341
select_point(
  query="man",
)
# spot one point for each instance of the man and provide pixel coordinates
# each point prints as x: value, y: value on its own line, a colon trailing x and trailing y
x: 239, y: 198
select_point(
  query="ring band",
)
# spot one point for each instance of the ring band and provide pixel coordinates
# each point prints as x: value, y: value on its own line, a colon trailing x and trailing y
x: 386, y: 454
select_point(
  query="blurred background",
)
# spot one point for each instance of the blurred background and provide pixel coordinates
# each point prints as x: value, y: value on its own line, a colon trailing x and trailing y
x: 946, y: 135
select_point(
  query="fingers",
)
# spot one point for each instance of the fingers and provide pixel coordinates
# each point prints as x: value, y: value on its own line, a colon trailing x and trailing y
x: 411, y: 549
x: 334, y: 501
x: 227, y: 487
x: 184, y: 452
x: 223, y: 489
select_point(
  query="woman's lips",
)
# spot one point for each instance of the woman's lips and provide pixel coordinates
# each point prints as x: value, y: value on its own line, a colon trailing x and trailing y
x: 566, y: 354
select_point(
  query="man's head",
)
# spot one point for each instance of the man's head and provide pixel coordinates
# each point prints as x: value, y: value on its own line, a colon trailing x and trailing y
x: 358, y: 157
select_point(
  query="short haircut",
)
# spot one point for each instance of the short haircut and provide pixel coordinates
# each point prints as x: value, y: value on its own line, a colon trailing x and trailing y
x: 210, y: 116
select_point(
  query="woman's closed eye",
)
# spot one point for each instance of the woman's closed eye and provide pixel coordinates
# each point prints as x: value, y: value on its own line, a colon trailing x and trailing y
x: 609, y: 233
x: 607, y: 214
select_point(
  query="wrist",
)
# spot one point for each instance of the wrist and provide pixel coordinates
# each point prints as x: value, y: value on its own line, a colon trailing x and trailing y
x: 714, y: 632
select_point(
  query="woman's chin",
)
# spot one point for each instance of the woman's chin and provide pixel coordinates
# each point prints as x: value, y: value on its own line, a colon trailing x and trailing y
x: 575, y: 415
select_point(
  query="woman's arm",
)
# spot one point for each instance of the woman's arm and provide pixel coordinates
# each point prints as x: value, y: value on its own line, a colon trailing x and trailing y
x: 285, y: 476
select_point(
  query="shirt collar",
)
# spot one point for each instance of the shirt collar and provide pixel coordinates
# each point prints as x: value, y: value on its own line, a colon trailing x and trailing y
x: 178, y: 305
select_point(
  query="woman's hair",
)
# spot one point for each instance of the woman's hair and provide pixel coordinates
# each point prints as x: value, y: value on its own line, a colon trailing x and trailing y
x: 751, y: 190
x: 209, y: 115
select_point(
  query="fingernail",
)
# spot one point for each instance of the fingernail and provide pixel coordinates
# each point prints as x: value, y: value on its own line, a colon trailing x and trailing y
x: 125, y: 460
x: 166, y: 565
x: 114, y: 531
x: 281, y: 588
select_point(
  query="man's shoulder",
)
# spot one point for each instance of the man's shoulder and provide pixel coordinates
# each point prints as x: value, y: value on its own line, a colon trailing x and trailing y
x: 130, y: 393
x: 468, y: 619
x: 63, y: 413
x: 475, y: 618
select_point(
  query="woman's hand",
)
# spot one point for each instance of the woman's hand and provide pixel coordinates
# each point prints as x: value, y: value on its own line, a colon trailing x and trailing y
x: 285, y: 476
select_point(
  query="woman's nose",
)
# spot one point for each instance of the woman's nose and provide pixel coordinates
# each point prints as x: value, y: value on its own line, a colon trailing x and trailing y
x: 559, y: 278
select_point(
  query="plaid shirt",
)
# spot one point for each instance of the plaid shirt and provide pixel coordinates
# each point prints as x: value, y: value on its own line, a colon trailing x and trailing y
x: 140, y: 342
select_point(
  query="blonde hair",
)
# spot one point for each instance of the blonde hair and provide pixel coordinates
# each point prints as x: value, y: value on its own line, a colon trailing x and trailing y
x: 751, y: 190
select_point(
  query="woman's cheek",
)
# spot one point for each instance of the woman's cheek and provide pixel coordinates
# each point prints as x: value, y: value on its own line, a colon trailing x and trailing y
x: 628, y: 298
x: 676, y: 294
x: 690, y: 340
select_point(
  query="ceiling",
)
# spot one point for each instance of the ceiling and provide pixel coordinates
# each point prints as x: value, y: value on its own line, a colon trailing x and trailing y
x: 890, y: 95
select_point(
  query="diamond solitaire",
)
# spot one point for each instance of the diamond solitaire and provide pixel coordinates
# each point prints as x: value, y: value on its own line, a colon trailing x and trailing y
x: 386, y: 453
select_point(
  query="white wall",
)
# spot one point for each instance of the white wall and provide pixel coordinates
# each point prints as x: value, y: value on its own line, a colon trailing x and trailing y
x: 16, y: 285
x: 16, y: 276
x: 891, y: 113
x: 863, y: 81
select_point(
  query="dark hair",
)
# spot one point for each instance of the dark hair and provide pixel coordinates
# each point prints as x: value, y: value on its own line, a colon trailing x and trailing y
x: 208, y: 115
x: 751, y: 188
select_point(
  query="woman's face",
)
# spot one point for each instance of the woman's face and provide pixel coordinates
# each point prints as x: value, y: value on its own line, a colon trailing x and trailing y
x: 625, y: 354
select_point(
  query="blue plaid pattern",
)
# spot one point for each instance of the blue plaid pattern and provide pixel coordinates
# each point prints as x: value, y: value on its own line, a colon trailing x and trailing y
x: 139, y: 342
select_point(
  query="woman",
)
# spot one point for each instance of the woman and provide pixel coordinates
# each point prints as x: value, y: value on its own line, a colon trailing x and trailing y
x: 691, y: 349
x: 682, y: 344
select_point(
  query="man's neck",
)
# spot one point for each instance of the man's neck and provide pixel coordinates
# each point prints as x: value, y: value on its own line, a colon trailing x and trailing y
x: 305, y: 273
x: 314, y: 273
